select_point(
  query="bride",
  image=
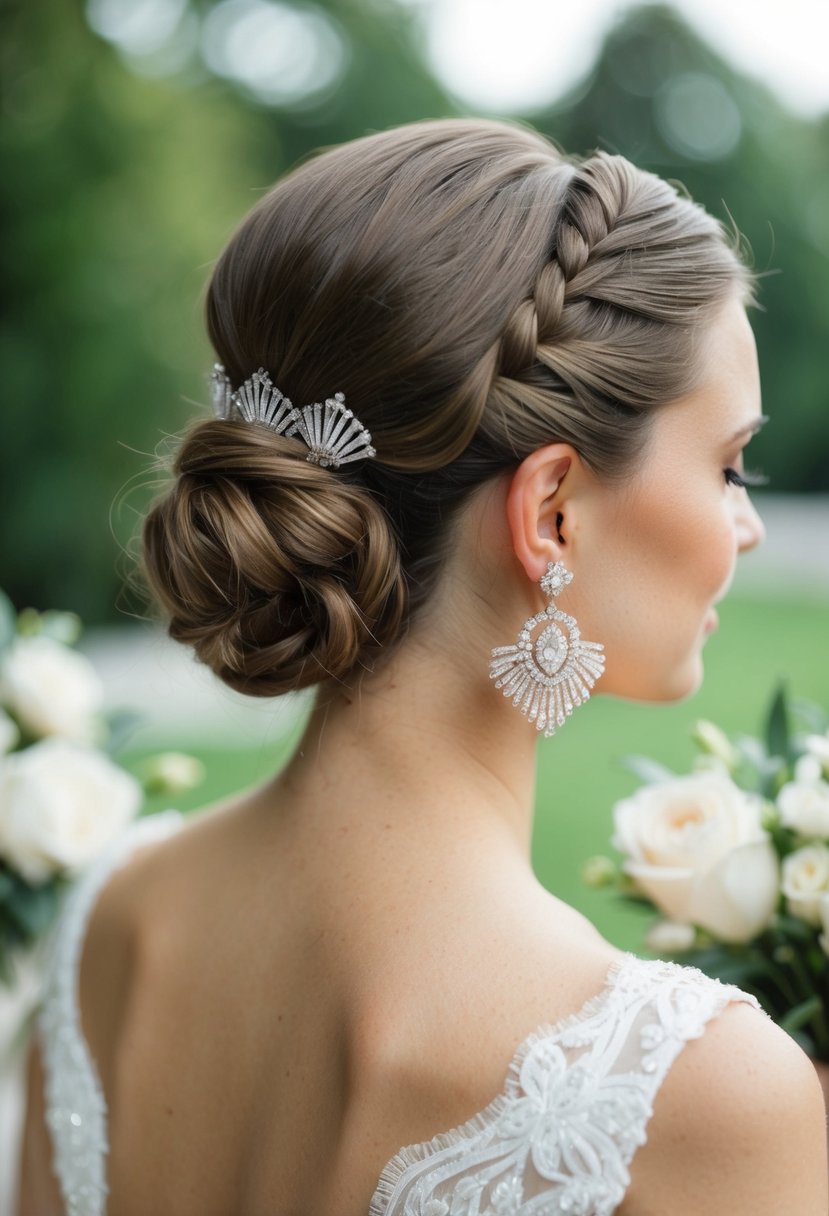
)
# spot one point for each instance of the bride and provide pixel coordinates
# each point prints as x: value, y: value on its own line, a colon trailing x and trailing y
x: 344, y: 992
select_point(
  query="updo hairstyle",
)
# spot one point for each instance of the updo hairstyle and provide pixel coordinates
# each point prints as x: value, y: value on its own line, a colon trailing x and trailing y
x: 476, y: 294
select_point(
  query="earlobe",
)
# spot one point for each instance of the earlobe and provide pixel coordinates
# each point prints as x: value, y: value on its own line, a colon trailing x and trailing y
x: 535, y: 510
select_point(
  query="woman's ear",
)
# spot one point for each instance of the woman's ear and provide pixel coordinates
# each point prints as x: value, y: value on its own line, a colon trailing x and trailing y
x: 537, y: 507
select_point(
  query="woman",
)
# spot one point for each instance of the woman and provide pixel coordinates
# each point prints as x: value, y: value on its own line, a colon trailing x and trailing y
x: 538, y: 492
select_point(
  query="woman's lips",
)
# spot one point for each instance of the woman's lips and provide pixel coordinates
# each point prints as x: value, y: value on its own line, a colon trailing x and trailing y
x: 711, y: 620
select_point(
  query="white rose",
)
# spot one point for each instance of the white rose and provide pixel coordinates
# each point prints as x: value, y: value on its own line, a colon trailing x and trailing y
x: 52, y: 689
x: 670, y: 937
x: 698, y: 850
x: 60, y: 805
x: 9, y: 734
x: 804, y: 803
x: 805, y: 879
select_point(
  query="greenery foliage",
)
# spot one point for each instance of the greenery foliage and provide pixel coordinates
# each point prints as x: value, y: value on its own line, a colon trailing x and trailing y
x: 122, y: 177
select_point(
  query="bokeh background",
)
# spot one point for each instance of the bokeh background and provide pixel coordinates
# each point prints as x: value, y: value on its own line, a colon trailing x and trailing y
x: 135, y: 135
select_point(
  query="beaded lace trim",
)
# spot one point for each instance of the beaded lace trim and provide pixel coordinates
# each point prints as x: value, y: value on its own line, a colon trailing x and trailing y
x: 559, y: 1138
x: 75, y: 1107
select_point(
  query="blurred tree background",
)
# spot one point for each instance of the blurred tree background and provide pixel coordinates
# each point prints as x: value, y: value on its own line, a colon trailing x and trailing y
x: 137, y: 133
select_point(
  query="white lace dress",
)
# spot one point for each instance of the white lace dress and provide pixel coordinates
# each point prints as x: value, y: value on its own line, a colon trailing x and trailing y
x: 557, y: 1141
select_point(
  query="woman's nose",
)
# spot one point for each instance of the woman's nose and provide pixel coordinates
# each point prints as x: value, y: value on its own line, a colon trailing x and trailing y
x: 751, y: 530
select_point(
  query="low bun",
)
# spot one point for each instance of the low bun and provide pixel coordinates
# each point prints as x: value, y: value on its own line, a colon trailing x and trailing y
x: 280, y: 573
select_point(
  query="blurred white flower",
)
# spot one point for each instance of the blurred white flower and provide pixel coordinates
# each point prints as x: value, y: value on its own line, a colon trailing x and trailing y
x: 9, y: 734
x: 697, y: 848
x: 53, y: 690
x: 60, y: 805
x: 598, y: 871
x: 804, y: 802
x: 818, y: 746
x: 670, y: 937
x: 807, y: 768
x: 171, y: 772
x: 715, y: 742
x: 805, y: 880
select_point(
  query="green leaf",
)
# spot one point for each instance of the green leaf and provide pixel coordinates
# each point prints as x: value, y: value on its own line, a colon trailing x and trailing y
x: 814, y: 715
x: 122, y: 723
x: 7, y: 884
x: 739, y: 969
x: 6, y: 969
x: 647, y: 770
x: 794, y: 926
x: 32, y: 908
x: 777, y: 732
x: 802, y: 1013
x: 8, y: 621
x: 632, y: 897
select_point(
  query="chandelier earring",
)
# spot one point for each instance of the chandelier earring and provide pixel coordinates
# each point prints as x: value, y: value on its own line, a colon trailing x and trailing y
x: 549, y: 676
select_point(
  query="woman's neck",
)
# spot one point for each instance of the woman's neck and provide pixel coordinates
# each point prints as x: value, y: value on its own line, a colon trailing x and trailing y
x: 424, y: 745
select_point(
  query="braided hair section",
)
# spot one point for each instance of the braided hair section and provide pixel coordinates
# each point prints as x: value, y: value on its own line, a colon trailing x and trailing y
x: 622, y: 280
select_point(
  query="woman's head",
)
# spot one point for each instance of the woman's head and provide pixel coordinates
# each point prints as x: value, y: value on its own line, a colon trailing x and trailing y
x: 478, y: 296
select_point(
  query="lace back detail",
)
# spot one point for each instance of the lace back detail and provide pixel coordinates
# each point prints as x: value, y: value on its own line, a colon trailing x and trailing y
x: 75, y: 1107
x: 574, y: 1109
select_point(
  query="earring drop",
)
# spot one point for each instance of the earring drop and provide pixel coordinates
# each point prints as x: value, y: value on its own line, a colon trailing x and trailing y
x: 547, y: 678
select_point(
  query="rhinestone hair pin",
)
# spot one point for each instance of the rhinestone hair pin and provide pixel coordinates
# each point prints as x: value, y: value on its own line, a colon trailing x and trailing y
x: 332, y: 433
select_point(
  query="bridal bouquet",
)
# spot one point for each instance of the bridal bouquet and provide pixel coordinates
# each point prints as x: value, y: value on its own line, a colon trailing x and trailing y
x: 63, y: 797
x: 734, y: 859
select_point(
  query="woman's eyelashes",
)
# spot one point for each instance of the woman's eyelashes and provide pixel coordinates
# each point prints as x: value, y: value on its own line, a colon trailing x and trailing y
x: 747, y: 478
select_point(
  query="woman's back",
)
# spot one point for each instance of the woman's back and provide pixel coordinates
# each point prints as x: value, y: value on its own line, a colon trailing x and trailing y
x: 272, y: 1022
x: 287, y: 1021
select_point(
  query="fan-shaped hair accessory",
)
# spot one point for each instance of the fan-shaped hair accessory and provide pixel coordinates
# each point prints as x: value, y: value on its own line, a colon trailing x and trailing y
x: 547, y: 678
x: 331, y: 432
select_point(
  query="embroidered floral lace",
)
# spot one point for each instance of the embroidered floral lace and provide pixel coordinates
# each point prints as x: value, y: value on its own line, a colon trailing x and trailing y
x: 557, y: 1141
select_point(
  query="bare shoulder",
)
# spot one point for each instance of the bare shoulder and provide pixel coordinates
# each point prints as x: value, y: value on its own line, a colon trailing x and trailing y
x: 142, y: 892
x: 739, y: 1122
x: 162, y: 864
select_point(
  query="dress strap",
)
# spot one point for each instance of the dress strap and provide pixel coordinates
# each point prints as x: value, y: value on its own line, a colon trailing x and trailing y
x: 578, y: 1097
x: 75, y: 1108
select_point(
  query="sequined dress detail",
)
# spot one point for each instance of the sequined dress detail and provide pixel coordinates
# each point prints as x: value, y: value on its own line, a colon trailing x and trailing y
x: 557, y: 1141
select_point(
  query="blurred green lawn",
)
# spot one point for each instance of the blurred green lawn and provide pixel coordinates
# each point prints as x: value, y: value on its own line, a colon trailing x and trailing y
x: 579, y: 778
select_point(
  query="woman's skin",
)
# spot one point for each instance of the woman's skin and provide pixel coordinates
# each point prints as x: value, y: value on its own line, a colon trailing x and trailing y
x: 396, y: 940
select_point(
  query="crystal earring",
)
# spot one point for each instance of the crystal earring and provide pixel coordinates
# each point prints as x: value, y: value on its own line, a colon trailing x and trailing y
x: 547, y: 678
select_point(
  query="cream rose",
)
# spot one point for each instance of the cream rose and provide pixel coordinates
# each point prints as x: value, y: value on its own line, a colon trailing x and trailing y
x: 60, y: 805
x: 804, y: 802
x: 805, y: 880
x: 52, y: 689
x: 696, y: 847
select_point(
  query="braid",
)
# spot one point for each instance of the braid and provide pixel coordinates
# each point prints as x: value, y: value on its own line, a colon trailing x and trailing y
x: 586, y: 217
x: 574, y: 360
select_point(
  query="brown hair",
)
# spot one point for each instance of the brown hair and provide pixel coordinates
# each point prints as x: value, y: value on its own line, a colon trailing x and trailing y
x: 475, y: 294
